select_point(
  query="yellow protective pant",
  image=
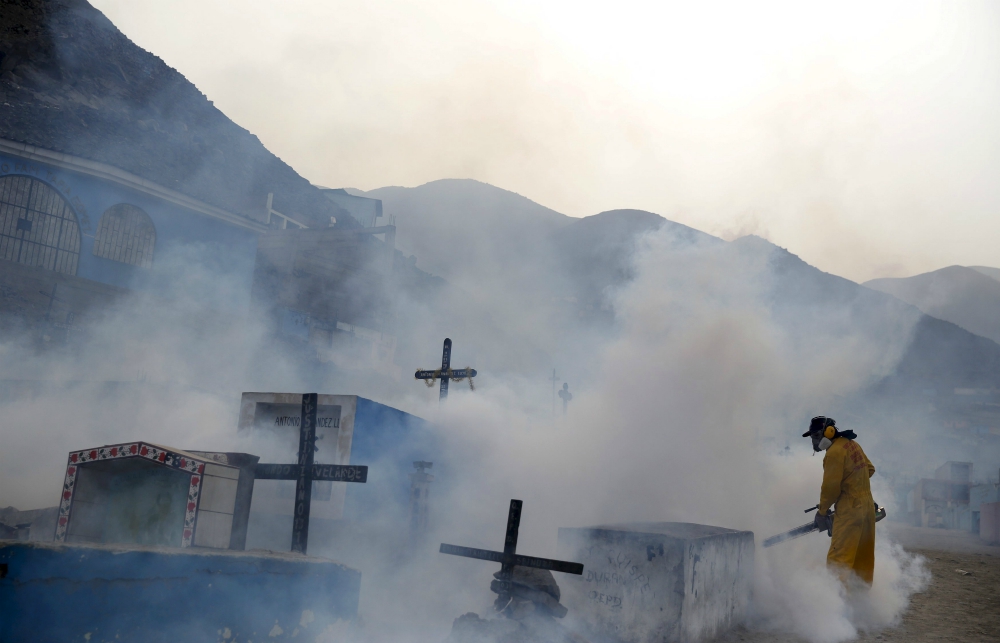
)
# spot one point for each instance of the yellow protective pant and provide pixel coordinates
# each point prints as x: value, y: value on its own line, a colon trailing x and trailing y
x: 852, y: 547
x: 846, y: 470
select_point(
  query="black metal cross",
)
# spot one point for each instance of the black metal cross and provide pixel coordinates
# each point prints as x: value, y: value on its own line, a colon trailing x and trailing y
x: 305, y: 472
x: 509, y: 558
x: 445, y: 373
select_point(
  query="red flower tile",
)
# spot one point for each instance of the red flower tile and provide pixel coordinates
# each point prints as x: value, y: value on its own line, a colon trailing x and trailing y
x: 93, y: 455
x: 133, y: 449
x: 194, y: 481
x: 114, y: 452
x: 62, y: 521
x: 73, y: 457
x: 144, y: 451
x: 163, y: 456
x: 70, y: 471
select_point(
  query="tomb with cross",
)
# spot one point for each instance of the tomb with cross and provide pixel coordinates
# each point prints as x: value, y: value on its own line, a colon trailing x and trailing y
x: 509, y: 558
x: 445, y: 373
x: 305, y: 471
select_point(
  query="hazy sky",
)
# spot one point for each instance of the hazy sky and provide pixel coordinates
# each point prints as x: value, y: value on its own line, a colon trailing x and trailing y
x: 863, y: 137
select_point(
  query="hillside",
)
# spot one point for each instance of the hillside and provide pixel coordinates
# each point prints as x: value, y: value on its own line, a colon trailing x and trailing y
x: 71, y: 82
x: 936, y: 353
x: 460, y: 228
x: 989, y: 272
x: 596, y: 253
x: 508, y: 253
x: 967, y: 297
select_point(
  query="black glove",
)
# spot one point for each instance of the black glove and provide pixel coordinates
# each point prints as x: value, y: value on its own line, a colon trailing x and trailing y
x: 823, y: 523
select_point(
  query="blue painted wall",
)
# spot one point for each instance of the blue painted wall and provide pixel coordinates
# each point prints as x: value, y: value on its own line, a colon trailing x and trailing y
x: 389, y: 441
x: 183, y: 237
x: 62, y: 593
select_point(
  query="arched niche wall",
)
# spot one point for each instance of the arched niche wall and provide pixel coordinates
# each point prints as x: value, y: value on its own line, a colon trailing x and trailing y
x: 125, y: 233
x: 37, y: 226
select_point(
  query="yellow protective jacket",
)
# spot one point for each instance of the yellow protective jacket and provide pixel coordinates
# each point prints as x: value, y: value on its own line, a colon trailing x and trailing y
x: 846, y: 470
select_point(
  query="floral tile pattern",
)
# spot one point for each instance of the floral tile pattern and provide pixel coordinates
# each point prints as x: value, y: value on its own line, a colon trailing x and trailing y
x: 196, y: 467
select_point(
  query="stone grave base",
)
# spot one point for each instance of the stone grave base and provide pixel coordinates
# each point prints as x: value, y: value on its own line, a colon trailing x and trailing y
x: 658, y: 582
x: 113, y: 593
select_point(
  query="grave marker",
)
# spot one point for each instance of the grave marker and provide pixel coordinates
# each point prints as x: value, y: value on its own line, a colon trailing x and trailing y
x: 147, y: 494
x: 305, y: 472
x: 566, y: 396
x: 509, y: 558
x: 445, y: 373
x: 554, y: 379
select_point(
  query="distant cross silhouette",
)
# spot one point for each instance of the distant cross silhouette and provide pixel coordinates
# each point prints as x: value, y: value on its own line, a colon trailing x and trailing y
x: 554, y: 379
x: 305, y: 472
x: 566, y: 396
x: 445, y: 373
x: 509, y: 558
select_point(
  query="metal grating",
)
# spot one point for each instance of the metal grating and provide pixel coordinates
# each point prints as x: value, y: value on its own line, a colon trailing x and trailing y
x: 126, y: 234
x: 37, y: 226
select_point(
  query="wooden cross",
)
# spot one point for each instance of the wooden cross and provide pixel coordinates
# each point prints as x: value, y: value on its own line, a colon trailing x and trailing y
x: 509, y: 558
x: 305, y: 472
x: 445, y: 373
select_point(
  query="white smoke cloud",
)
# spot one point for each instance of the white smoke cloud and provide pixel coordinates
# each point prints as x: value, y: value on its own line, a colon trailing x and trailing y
x: 682, y: 405
x: 678, y: 422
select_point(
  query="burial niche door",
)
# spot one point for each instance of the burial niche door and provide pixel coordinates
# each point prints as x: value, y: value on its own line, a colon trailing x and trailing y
x: 37, y: 226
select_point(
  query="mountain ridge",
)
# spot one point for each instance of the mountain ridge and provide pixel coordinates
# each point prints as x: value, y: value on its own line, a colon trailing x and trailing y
x: 964, y: 296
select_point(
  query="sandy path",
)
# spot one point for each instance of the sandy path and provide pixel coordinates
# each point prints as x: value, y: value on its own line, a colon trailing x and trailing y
x: 954, y: 607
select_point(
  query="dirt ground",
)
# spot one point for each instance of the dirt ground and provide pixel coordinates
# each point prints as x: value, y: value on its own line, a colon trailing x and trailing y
x: 956, y: 606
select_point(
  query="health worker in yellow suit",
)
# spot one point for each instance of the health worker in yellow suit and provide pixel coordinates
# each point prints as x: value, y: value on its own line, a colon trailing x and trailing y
x: 846, y: 470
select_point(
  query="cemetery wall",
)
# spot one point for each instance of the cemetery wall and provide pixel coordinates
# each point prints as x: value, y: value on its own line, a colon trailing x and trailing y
x: 26, y: 295
x: 219, y: 240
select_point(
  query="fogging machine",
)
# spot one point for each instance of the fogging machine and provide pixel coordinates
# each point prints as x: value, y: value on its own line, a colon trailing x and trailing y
x: 810, y: 527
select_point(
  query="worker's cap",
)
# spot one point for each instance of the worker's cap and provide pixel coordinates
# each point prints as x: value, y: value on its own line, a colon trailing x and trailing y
x: 819, y: 423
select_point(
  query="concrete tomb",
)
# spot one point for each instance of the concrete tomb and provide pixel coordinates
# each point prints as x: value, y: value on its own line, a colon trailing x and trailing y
x: 32, y: 524
x: 666, y: 581
x: 979, y: 495
x: 944, y: 500
x: 305, y: 472
x: 143, y: 551
x: 147, y: 494
x: 350, y: 430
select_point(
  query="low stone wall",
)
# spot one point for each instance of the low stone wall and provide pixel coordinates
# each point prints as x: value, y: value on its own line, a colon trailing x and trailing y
x: 105, y: 594
x: 658, y: 582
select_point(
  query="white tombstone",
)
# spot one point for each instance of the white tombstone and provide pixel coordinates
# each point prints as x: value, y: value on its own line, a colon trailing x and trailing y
x: 148, y: 494
x: 658, y: 582
x: 271, y: 422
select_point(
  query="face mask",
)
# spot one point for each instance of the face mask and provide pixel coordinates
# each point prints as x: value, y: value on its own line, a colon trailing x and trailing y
x: 820, y: 443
